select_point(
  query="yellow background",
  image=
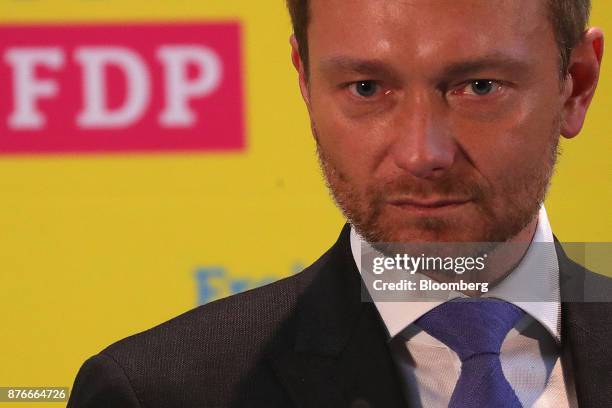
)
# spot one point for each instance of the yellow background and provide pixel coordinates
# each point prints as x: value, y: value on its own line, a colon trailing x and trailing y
x: 94, y: 248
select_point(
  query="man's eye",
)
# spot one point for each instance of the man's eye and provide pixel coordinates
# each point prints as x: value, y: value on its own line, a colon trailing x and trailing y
x: 480, y: 87
x: 364, y: 89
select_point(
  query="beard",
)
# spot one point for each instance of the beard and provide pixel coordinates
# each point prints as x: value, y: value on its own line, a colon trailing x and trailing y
x: 494, y: 214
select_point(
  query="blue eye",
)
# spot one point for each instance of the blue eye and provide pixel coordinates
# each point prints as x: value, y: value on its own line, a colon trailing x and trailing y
x: 482, y: 87
x: 364, y: 89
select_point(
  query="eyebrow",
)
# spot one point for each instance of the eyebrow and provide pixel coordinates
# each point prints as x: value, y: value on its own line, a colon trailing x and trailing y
x: 341, y: 63
x: 493, y: 61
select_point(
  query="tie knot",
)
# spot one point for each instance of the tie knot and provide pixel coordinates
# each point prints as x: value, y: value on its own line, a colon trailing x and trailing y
x: 471, y: 327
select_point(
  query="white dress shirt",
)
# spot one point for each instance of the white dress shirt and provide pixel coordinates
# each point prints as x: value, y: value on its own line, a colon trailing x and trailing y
x: 530, y: 354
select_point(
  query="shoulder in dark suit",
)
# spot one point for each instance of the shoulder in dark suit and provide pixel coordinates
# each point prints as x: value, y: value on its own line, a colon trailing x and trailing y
x: 304, y: 341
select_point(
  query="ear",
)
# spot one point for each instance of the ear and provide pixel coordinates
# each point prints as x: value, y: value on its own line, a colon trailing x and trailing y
x: 299, y: 66
x: 581, y: 81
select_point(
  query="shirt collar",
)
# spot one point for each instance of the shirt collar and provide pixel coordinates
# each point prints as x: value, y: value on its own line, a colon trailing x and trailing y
x: 399, y: 315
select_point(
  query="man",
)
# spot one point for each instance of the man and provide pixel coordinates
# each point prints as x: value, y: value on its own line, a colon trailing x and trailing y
x: 435, y: 121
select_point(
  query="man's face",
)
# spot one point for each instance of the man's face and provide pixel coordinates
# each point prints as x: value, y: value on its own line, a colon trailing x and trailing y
x: 435, y: 120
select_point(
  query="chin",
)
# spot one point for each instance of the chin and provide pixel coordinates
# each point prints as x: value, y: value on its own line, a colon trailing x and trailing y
x: 427, y: 229
x: 419, y: 236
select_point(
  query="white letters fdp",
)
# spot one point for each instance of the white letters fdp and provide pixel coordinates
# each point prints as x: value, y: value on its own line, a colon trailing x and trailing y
x: 179, y: 87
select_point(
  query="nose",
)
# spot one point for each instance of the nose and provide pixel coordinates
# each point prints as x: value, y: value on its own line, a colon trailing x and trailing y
x: 424, y: 146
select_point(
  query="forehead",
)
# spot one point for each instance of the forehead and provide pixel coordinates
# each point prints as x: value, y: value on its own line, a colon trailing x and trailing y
x: 428, y: 28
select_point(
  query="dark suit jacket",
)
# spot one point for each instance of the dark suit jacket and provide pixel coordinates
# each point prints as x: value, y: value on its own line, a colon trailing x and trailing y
x: 304, y: 341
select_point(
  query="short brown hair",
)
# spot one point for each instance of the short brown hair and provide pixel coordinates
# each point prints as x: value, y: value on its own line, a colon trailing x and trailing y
x: 569, y: 19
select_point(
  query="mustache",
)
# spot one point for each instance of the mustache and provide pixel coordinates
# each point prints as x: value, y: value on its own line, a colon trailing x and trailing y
x: 447, y: 187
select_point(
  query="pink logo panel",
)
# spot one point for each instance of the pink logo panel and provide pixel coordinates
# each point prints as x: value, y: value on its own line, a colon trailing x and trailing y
x: 121, y: 88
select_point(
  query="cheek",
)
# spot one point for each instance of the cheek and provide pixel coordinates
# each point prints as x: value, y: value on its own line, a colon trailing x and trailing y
x: 355, y: 147
x: 508, y: 150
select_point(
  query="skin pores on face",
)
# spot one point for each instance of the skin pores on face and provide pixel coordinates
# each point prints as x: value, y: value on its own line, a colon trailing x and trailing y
x: 435, y: 120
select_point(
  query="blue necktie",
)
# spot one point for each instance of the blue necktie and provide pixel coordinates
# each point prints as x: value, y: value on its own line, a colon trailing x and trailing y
x: 475, y: 330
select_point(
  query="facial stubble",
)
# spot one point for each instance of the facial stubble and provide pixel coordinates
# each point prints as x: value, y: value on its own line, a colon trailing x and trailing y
x: 365, y: 209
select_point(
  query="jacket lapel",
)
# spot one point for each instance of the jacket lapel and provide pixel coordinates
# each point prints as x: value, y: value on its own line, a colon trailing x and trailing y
x: 339, y: 356
x: 586, y: 331
x: 335, y: 352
